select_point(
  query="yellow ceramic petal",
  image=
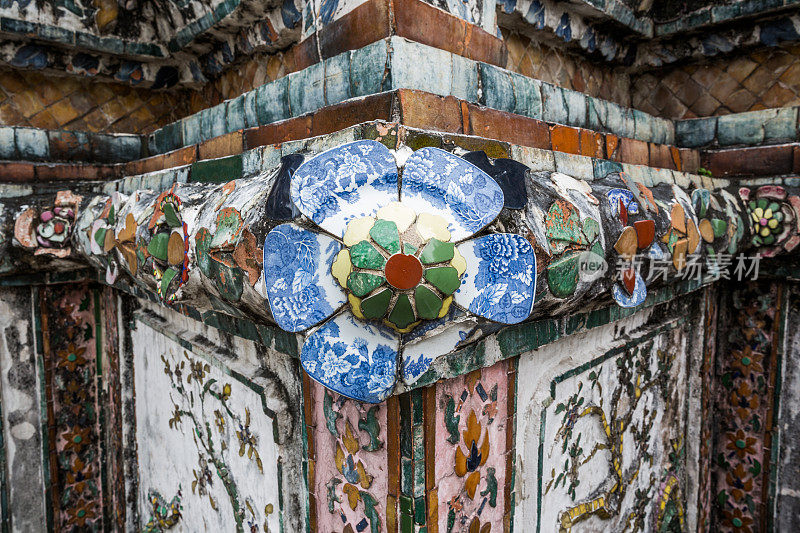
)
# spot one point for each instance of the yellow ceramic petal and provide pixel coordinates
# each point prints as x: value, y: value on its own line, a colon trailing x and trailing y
x: 772, y: 223
x: 755, y: 217
x: 432, y: 226
x: 342, y: 267
x: 768, y: 213
x: 765, y: 231
x: 355, y: 305
x: 404, y: 330
x: 399, y: 214
x: 758, y: 212
x: 445, y: 306
x: 458, y: 262
x: 358, y: 230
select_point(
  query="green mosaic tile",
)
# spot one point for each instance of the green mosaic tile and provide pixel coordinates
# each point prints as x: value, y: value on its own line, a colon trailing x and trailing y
x: 419, y: 510
x: 376, y: 306
x: 167, y: 278
x: 364, y: 255
x: 406, y: 505
x: 362, y: 283
x: 591, y: 229
x: 384, y: 232
x: 427, y: 303
x: 409, y: 249
x: 437, y: 251
x: 562, y: 276
x: 402, y: 315
x: 443, y: 278
x: 157, y: 247
x: 720, y: 227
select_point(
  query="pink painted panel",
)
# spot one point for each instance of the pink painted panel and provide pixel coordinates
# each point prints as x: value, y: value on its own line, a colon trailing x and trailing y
x: 351, y: 481
x: 470, y: 438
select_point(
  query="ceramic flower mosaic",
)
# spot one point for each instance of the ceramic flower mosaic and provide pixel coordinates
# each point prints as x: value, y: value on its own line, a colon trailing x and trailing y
x: 389, y: 254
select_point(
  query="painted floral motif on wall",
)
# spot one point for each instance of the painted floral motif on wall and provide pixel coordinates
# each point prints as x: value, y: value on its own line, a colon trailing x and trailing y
x: 70, y: 365
x: 212, y: 445
x: 601, y: 454
x: 746, y: 368
x: 350, y: 464
x: 470, y: 432
x: 387, y: 262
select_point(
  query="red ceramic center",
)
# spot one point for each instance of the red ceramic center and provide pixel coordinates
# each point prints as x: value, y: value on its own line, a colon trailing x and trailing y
x: 403, y: 271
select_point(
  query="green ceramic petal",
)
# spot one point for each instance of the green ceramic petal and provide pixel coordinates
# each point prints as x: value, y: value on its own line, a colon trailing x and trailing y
x: 752, y: 205
x: 166, y: 279
x: 774, y: 206
x: 562, y: 276
x: 157, y: 247
x: 100, y: 237
x: 364, y: 255
x: 591, y: 229
x: 564, y: 226
x: 385, y: 233
x: 376, y: 306
x: 112, y: 216
x: 409, y: 249
x: 777, y: 215
x: 443, y: 278
x: 720, y: 227
x: 402, y: 315
x: 762, y: 203
x: 362, y: 283
x: 769, y: 239
x: 170, y: 215
x: 427, y: 303
x: 437, y: 251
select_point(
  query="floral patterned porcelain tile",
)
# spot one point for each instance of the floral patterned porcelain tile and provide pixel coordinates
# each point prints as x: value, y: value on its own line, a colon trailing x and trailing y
x: 500, y: 280
x: 297, y: 273
x: 352, y: 357
x: 398, y: 267
x: 440, y: 183
x: 351, y: 180
x: 418, y: 356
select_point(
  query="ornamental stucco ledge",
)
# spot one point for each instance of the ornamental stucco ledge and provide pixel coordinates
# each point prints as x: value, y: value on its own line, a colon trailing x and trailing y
x: 383, y: 260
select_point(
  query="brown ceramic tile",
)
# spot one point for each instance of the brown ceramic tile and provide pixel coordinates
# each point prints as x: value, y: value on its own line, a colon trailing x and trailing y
x: 612, y: 144
x: 633, y: 152
x: 661, y: 156
x: 57, y: 172
x: 758, y: 161
x: 425, y: 24
x: 565, y: 139
x: 424, y: 110
x: 593, y: 144
x: 493, y: 124
x: 690, y: 159
x: 222, y: 146
x: 16, y: 172
x: 286, y: 130
x: 346, y: 114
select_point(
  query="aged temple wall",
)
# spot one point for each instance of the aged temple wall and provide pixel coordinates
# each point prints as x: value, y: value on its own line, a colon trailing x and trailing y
x: 25, y: 477
x: 189, y: 340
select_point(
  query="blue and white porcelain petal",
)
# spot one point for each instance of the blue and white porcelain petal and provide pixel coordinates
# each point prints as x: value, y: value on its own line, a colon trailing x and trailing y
x: 354, y: 358
x: 301, y: 290
x: 419, y: 355
x: 440, y: 183
x: 500, y: 280
x: 350, y: 181
x: 637, y: 298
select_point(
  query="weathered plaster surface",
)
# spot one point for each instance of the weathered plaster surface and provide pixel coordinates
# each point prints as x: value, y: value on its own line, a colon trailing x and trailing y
x: 787, y: 511
x: 21, y: 422
x: 262, y: 382
x: 635, y: 372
